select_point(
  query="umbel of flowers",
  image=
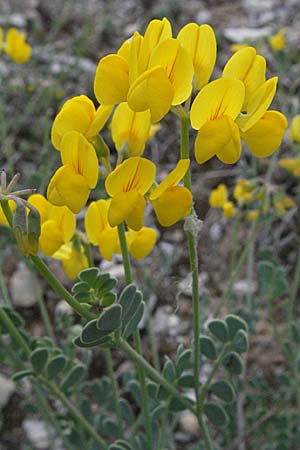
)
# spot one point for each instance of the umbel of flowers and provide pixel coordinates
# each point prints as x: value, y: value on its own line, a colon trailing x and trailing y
x: 136, y: 87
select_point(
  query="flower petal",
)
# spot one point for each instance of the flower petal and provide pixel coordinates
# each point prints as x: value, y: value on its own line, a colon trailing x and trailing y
x: 266, y: 135
x: 218, y: 98
x: 131, y: 127
x: 178, y: 64
x: 78, y: 153
x: 152, y: 90
x: 174, y: 204
x: 67, y: 188
x: 218, y: 137
x: 122, y: 205
x: 200, y: 42
x: 140, y: 243
x: 134, y: 174
x: 172, y: 179
x: 111, y: 80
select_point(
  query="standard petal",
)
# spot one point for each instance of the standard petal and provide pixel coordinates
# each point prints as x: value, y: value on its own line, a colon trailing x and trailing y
x: 76, y: 115
x: 172, y: 179
x: 111, y: 80
x: 78, y: 153
x: 174, y: 204
x: 218, y: 98
x: 134, y: 174
x: 247, y: 66
x: 266, y: 135
x: 178, y: 64
x: 152, y: 90
x: 201, y: 44
x: 157, y: 31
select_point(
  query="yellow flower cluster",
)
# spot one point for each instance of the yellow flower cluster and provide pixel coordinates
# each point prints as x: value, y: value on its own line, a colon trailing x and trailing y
x: 137, y: 86
x: 277, y: 41
x: 249, y: 197
x: 15, y: 45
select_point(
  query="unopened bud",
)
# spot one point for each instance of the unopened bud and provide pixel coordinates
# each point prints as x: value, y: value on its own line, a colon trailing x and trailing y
x: 19, y: 226
x: 34, y: 230
x: 100, y: 146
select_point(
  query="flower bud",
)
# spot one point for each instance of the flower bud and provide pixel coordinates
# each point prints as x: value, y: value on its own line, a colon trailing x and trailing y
x: 34, y: 230
x: 19, y: 226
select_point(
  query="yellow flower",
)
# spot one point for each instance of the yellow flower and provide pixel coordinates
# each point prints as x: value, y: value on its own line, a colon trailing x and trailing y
x: 130, y: 127
x: 16, y: 47
x: 201, y: 44
x: 73, y: 260
x: 291, y: 164
x: 228, y: 210
x: 243, y: 191
x: 236, y: 47
x: 282, y: 203
x: 140, y: 243
x: 218, y: 197
x: 277, y: 41
x: 213, y: 113
x: 252, y: 215
x: 127, y: 185
x: 171, y: 202
x: 12, y: 206
x: 99, y: 231
x: 152, y: 72
x: 245, y: 65
x: 71, y: 184
x: 57, y: 224
x: 79, y: 114
x: 295, y: 129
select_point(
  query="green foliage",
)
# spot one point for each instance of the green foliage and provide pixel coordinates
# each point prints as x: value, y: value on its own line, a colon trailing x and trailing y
x: 233, y: 363
x: 94, y: 287
x: 216, y: 414
x: 219, y: 330
x: 272, y: 279
x: 208, y: 347
x: 223, y: 390
x: 38, y: 359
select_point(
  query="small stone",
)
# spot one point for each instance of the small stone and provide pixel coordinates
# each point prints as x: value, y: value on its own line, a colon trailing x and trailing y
x: 24, y: 287
x: 240, y: 34
x: 189, y: 423
x: 245, y: 287
x: 7, y: 388
x: 37, y: 433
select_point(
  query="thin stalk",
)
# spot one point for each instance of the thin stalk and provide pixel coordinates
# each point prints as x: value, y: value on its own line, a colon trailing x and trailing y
x: 192, y: 245
x: 239, y: 265
x: 213, y: 371
x: 14, y: 332
x: 154, y: 375
x: 76, y: 414
x: 45, y: 317
x: 295, y: 287
x: 49, y: 276
x: 4, y: 290
x: 137, y: 339
x: 115, y: 388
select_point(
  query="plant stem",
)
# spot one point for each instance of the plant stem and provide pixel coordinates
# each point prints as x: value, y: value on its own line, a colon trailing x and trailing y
x: 45, y: 317
x: 154, y: 375
x: 137, y: 339
x: 295, y: 287
x: 115, y: 389
x: 3, y: 290
x: 213, y: 371
x: 59, y: 288
x: 239, y: 265
x: 76, y: 413
x: 14, y: 332
x: 192, y: 245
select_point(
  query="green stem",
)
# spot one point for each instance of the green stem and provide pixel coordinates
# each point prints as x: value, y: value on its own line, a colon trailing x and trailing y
x: 14, y: 332
x: 45, y: 317
x: 192, y: 245
x: 213, y: 371
x: 295, y: 287
x: 3, y: 290
x: 239, y: 265
x: 76, y: 414
x: 137, y: 339
x: 154, y: 375
x: 125, y: 254
x: 115, y: 388
x: 59, y: 288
